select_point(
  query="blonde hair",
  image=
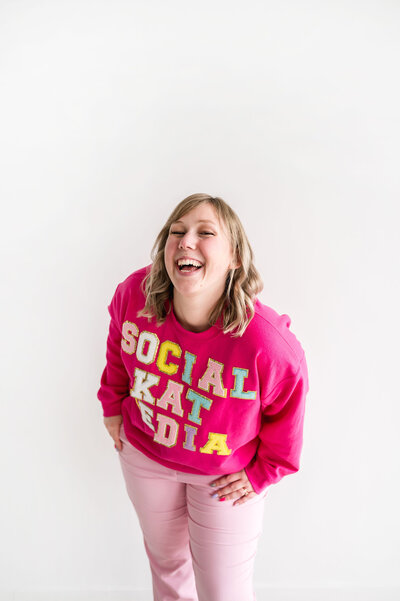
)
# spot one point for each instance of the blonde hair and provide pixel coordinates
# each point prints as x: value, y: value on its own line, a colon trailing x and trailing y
x: 236, y: 305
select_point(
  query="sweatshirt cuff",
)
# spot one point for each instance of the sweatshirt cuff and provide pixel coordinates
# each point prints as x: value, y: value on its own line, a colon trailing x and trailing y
x: 112, y: 409
x: 257, y: 476
x: 260, y: 478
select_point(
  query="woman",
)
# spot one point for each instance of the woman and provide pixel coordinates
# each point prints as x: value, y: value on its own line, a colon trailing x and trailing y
x: 203, y: 394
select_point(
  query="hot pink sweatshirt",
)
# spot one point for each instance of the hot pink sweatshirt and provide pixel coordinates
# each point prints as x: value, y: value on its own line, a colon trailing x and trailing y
x: 206, y: 402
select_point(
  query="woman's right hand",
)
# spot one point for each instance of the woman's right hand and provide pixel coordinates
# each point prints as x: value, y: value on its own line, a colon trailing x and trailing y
x: 113, y: 425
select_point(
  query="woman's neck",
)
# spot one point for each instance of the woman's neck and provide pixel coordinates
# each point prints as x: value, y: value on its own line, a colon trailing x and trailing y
x: 192, y: 313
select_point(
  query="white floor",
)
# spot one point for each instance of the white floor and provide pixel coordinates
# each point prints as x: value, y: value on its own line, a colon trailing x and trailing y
x: 270, y: 594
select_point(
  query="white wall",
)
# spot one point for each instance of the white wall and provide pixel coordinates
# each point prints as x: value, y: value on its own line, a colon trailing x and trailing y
x: 111, y: 113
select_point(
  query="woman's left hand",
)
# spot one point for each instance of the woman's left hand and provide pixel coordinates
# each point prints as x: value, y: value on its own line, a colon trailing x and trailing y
x: 234, y: 486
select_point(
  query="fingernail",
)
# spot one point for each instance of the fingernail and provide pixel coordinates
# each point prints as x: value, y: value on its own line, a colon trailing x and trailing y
x: 222, y: 499
x: 214, y: 495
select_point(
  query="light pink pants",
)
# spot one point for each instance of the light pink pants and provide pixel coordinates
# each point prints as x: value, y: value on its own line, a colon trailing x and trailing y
x: 199, y: 548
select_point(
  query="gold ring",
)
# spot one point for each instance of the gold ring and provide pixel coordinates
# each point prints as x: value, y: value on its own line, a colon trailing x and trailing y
x: 245, y: 492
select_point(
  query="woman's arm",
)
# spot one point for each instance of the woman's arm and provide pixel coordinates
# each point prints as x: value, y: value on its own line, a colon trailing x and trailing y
x: 115, y: 380
x: 281, y: 433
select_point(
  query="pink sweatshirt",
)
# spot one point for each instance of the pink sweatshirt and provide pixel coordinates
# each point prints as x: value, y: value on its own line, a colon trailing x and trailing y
x: 206, y: 402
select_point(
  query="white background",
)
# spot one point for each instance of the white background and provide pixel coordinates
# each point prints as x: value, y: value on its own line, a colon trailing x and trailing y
x: 111, y: 113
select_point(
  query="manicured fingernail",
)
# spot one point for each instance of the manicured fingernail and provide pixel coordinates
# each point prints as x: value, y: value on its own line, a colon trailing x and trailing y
x: 222, y: 499
x: 214, y: 495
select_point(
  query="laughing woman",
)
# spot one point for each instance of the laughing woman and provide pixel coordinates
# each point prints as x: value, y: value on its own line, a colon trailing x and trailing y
x: 203, y: 394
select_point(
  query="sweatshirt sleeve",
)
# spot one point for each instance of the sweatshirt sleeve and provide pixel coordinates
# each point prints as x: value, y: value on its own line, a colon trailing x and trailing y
x: 281, y: 433
x: 115, y: 379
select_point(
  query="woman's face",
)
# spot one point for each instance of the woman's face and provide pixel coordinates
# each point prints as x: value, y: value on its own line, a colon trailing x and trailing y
x: 198, y: 254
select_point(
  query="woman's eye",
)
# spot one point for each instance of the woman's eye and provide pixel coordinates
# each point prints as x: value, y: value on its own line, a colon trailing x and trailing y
x: 176, y: 233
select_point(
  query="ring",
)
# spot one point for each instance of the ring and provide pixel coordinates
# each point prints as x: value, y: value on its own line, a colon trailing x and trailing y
x: 245, y: 492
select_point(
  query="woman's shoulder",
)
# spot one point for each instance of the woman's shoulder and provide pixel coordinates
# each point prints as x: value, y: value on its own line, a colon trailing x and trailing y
x: 129, y: 291
x: 133, y: 281
x: 271, y: 332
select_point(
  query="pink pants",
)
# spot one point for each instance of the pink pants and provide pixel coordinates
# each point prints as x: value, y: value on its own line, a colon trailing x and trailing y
x: 199, y: 548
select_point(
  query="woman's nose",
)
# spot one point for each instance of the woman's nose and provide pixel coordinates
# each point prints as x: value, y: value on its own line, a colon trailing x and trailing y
x: 187, y: 241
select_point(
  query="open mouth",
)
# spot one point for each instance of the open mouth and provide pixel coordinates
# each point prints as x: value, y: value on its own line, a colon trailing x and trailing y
x: 188, y: 265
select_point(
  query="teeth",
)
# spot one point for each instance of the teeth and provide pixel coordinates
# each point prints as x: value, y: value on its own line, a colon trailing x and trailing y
x: 182, y: 262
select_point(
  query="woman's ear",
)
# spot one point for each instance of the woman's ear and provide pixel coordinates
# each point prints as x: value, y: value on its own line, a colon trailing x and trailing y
x: 234, y: 264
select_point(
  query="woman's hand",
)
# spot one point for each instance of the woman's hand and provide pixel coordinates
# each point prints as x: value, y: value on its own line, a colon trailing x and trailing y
x: 113, y: 425
x: 234, y: 486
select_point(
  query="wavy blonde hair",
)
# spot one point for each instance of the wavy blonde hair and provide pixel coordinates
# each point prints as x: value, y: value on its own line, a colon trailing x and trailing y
x: 236, y: 305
